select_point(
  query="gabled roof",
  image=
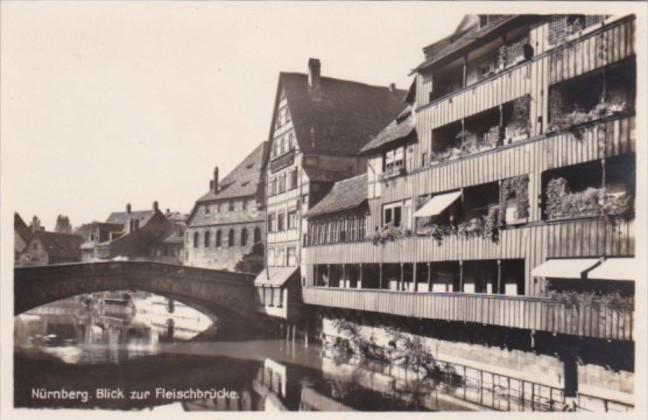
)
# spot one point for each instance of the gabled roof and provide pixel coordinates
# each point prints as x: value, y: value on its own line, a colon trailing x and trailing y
x: 347, y: 194
x: 340, y: 116
x: 121, y: 217
x: 244, y: 179
x: 21, y: 228
x: 402, y: 128
x: 60, y: 245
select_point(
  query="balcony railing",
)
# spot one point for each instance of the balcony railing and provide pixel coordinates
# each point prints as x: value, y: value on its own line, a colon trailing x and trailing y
x: 529, y: 313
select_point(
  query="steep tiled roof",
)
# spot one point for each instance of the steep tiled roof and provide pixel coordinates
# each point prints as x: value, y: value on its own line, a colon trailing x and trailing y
x: 396, y: 130
x: 121, y: 217
x: 21, y: 228
x: 61, y: 245
x: 341, y: 116
x: 345, y: 195
x: 244, y: 179
x: 317, y: 174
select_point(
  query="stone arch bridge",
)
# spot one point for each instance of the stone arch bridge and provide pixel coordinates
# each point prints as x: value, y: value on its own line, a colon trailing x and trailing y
x: 217, y: 291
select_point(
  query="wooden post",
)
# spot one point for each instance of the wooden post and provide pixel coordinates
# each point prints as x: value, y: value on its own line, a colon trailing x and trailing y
x: 429, y: 277
x: 344, y: 279
x: 499, y: 277
x: 414, y: 279
x: 380, y: 276
x: 465, y: 70
x: 461, y: 279
x: 328, y: 273
x: 360, y: 278
x: 402, y: 278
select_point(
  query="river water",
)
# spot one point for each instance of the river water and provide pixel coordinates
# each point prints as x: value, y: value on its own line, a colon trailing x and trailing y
x: 131, y: 350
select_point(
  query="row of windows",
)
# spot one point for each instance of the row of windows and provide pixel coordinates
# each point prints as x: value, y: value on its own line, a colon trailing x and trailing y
x: 231, y: 238
x: 349, y: 229
x: 283, y: 182
x: 282, y: 257
x: 283, y: 117
x: 229, y: 205
x: 283, y: 145
x: 282, y: 221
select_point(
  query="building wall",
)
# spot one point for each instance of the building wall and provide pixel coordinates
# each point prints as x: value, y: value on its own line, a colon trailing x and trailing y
x: 515, y: 354
x: 239, y: 219
x: 34, y: 254
x: 543, y: 150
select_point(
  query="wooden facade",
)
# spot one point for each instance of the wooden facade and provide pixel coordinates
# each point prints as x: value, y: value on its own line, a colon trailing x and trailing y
x: 528, y: 313
x: 546, y: 147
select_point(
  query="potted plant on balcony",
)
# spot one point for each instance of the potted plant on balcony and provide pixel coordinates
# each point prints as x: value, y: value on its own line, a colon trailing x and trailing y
x: 514, y: 201
x: 493, y: 137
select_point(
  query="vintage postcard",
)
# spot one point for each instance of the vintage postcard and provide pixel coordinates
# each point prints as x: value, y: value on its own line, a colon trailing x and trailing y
x: 357, y: 207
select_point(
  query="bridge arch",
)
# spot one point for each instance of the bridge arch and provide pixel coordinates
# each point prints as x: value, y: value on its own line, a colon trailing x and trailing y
x: 202, y: 288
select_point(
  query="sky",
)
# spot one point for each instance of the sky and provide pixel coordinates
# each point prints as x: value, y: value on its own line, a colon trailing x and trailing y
x: 108, y: 103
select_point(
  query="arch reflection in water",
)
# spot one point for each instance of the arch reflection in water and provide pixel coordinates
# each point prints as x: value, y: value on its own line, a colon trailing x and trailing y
x: 106, y: 327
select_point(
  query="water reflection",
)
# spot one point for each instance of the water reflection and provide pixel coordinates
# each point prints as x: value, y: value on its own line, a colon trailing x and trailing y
x: 166, y: 356
x: 106, y: 327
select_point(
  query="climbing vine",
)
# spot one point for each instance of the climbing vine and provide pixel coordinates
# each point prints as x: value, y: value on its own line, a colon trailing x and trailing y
x: 517, y: 189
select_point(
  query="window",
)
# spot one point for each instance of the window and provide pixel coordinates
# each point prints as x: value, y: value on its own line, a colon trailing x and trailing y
x: 394, y: 161
x: 196, y: 239
x: 271, y: 222
x: 273, y: 186
x: 230, y: 238
x: 244, y: 237
x: 280, y: 222
x: 219, y: 238
x: 206, y: 208
x: 282, y: 183
x: 207, y: 238
x: 257, y: 235
x: 392, y: 214
x: 293, y: 179
x: 424, y: 159
x: 292, y: 256
x: 271, y: 256
x: 291, y: 141
x: 244, y: 204
x: 292, y: 219
x: 280, y: 257
x: 230, y: 205
x: 283, y: 145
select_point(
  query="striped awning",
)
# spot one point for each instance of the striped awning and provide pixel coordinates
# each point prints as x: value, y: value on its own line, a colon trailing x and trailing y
x: 437, y: 204
x: 614, y: 269
x: 274, y: 276
x: 572, y: 268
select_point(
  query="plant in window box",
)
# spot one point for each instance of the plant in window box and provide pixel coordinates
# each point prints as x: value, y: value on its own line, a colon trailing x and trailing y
x: 514, y: 201
x: 492, y: 137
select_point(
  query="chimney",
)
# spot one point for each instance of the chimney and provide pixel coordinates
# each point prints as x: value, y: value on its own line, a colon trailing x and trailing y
x: 392, y: 87
x: 156, y: 206
x: 314, y: 68
x: 36, y: 227
x: 128, y: 208
x: 214, y: 183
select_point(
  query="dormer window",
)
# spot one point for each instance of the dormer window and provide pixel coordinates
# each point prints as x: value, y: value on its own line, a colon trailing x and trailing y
x: 483, y: 21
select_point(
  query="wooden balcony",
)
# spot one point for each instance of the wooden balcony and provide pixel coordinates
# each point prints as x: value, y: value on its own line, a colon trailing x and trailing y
x: 529, y: 313
x: 598, y: 48
x: 580, y: 238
